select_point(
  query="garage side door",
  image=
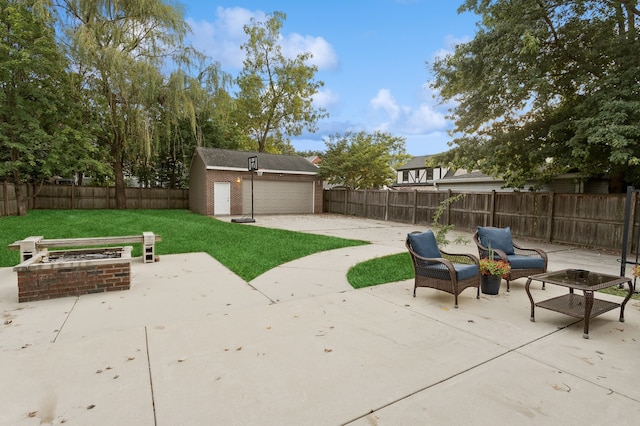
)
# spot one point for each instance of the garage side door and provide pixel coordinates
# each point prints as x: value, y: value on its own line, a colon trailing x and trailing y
x: 273, y: 197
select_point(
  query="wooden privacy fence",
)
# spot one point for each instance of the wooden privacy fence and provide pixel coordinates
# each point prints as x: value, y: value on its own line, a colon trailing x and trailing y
x: 60, y: 197
x: 592, y: 220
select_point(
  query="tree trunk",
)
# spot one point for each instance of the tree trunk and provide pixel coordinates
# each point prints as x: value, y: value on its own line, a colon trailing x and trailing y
x: 118, y: 171
x: 117, y: 153
x: 21, y: 200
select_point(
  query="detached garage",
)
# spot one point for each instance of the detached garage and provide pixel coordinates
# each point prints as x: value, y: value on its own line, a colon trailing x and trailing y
x: 220, y: 183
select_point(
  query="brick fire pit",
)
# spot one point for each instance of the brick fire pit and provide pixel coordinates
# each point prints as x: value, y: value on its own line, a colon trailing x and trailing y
x: 50, y: 275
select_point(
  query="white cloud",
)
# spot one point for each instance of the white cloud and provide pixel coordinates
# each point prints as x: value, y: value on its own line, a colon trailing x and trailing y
x: 326, y: 99
x: 324, y: 57
x: 386, y: 102
x: 404, y: 119
x: 222, y: 38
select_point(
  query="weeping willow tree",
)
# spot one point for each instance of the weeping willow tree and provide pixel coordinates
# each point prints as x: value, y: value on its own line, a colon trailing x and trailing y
x: 121, y: 48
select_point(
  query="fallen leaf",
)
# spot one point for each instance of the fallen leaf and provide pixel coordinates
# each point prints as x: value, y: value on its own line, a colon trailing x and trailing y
x: 239, y: 348
x: 98, y: 371
x: 116, y: 376
x: 131, y: 358
x: 328, y: 350
x: 32, y: 414
x: 90, y: 407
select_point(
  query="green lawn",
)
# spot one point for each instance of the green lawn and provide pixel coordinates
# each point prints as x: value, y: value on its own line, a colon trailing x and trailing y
x: 246, y: 250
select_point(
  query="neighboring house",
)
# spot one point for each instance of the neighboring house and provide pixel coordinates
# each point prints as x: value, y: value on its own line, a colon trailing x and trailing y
x: 416, y: 175
x: 475, y: 181
x: 220, y: 184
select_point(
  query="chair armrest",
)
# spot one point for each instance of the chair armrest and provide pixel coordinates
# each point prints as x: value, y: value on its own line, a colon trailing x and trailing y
x: 463, y: 258
x: 424, y: 262
x: 530, y: 251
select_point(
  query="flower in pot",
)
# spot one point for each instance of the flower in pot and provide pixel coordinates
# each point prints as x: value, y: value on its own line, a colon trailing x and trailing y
x: 636, y: 271
x: 494, y: 267
x: 492, y: 272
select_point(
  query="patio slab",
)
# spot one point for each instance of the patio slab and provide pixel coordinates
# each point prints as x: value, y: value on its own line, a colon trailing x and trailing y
x: 191, y: 343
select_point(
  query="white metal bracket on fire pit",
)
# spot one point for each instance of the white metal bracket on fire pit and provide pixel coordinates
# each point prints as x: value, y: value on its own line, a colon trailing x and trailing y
x: 30, y: 246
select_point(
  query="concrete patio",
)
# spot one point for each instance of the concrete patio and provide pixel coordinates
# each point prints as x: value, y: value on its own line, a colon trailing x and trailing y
x: 193, y: 344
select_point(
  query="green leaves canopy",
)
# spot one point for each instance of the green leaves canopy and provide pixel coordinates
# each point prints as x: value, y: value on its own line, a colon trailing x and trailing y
x: 275, y: 100
x: 362, y: 160
x: 42, y: 128
x: 546, y: 87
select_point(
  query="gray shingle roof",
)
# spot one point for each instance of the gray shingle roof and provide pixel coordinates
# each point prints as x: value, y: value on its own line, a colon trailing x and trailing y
x: 234, y: 160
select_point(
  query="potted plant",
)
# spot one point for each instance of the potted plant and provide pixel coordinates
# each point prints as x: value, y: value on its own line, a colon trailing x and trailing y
x: 492, y: 271
x: 636, y: 271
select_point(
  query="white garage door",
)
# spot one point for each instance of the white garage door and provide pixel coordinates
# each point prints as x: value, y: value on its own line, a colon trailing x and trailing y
x: 274, y: 197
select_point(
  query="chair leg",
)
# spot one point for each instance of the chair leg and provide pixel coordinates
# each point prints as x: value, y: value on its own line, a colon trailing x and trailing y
x: 414, y: 291
x: 478, y: 293
x: 507, y: 284
x: 455, y: 296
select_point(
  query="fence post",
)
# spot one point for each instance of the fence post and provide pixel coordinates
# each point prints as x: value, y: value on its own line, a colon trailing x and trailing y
x: 415, y: 207
x: 346, y: 200
x: 366, y: 207
x: 492, y: 207
x: 448, y: 211
x: 552, y: 200
x: 386, y: 206
x: 73, y: 195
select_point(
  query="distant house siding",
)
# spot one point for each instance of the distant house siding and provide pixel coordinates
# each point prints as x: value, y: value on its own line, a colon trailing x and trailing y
x: 197, y: 186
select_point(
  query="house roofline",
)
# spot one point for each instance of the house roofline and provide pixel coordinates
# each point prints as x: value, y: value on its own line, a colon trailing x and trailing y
x: 282, y: 172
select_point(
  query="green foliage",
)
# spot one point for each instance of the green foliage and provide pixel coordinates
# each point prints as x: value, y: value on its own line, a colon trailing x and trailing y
x: 276, y: 93
x: 121, y: 48
x: 43, y: 131
x: 441, y: 231
x: 362, y: 160
x: 546, y: 87
x: 240, y: 248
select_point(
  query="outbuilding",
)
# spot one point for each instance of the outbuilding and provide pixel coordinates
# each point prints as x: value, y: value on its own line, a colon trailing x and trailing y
x: 229, y: 182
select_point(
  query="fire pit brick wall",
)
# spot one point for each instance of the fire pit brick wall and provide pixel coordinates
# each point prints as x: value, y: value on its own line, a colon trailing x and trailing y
x: 42, y: 284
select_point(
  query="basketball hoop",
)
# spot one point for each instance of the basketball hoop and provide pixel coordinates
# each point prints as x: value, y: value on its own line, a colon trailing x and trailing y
x: 260, y: 172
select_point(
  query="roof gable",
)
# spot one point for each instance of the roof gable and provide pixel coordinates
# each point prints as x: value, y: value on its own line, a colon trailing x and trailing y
x: 228, y: 159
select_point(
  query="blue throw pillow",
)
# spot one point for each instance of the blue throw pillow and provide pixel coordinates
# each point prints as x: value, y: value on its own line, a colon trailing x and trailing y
x: 424, y: 244
x: 497, y: 238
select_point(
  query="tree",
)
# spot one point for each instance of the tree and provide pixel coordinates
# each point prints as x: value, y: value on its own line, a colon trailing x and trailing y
x: 121, y: 47
x: 42, y: 132
x: 362, y: 160
x: 275, y: 93
x: 546, y: 87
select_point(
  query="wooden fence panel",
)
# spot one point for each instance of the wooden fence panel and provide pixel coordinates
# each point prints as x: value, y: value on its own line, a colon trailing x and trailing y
x: 63, y: 197
x: 595, y: 220
x: 589, y: 219
x: 400, y: 206
x: 526, y: 213
x: 8, y: 203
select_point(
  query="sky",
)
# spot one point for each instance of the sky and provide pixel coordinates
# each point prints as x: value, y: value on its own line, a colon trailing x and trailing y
x: 373, y: 56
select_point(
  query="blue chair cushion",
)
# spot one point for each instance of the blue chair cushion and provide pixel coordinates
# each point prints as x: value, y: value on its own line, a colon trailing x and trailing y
x: 463, y: 271
x: 424, y: 244
x: 525, y: 262
x: 496, y: 238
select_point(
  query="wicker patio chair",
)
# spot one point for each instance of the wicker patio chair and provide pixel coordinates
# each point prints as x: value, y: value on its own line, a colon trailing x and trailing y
x: 523, y: 261
x: 440, y: 270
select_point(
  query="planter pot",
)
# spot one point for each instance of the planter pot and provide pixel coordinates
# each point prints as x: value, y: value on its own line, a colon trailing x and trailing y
x: 490, y: 284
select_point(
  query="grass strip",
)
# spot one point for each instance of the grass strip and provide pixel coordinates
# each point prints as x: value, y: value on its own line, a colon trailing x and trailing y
x: 381, y: 270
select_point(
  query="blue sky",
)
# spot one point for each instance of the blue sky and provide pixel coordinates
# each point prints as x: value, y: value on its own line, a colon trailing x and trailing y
x: 372, y: 56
